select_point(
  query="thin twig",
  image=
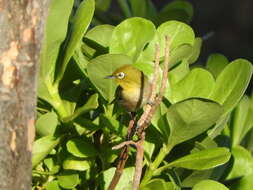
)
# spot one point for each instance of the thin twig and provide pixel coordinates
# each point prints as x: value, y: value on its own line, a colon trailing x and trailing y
x: 125, y: 143
x: 148, y: 113
x: 153, y: 102
x: 138, y: 162
x: 153, y: 88
x: 122, y: 159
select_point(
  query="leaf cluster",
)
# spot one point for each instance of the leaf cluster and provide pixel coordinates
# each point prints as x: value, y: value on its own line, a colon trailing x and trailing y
x: 201, y: 134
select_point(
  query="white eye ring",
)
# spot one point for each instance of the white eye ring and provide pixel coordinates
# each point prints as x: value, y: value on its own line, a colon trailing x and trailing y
x: 121, y: 75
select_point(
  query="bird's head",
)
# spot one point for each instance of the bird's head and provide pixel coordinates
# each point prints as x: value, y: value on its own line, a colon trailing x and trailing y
x: 127, y: 76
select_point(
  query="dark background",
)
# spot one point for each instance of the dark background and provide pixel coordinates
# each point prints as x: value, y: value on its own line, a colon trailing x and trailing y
x: 231, y: 22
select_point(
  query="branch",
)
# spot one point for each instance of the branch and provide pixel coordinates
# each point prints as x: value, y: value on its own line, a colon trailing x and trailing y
x: 138, y: 162
x: 122, y: 159
x: 146, y: 117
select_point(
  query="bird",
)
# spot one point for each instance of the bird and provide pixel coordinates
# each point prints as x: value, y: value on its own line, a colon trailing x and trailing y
x: 133, y: 89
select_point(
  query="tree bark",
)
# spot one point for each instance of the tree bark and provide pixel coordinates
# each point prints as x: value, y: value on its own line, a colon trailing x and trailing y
x: 21, y: 31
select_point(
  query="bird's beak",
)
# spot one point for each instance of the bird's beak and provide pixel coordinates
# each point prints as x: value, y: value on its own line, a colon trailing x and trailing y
x: 110, y: 77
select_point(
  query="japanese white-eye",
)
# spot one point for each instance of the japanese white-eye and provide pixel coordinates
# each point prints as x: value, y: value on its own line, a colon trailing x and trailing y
x: 134, y: 87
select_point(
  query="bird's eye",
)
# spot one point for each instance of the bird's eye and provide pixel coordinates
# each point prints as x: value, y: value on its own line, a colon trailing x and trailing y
x: 121, y: 75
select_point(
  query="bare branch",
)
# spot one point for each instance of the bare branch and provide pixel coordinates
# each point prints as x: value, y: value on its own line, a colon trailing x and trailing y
x: 125, y: 143
x: 149, y: 112
x: 138, y: 162
x: 122, y: 159
x: 153, y: 88
x: 145, y: 119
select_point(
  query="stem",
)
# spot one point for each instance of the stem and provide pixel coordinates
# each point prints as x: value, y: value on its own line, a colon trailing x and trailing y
x: 153, y: 166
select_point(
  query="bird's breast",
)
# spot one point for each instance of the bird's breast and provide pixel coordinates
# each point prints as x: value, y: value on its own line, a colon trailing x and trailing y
x: 134, y: 98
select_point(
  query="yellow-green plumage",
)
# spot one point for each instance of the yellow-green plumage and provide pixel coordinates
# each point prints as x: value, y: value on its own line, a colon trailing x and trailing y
x: 134, y: 85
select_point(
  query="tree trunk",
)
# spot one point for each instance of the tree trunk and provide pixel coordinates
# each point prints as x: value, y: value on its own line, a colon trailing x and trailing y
x: 21, y: 29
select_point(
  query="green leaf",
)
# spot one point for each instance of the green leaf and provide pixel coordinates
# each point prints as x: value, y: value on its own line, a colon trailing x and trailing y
x: 102, y: 66
x: 178, y: 73
x: 128, y: 37
x: 198, y: 83
x: 74, y: 163
x: 178, y: 32
x: 52, y: 165
x: 101, y: 34
x: 232, y: 83
x: 158, y: 184
x: 46, y: 124
x: 195, y: 50
x: 125, y: 181
x: 68, y: 179
x: 244, y: 183
x: 58, y: 15
x: 80, y: 59
x: 202, y: 160
x: 80, y: 24
x: 42, y: 147
x: 180, y: 53
x: 53, y: 185
x: 176, y: 10
x: 216, y: 63
x: 91, y: 104
x: 242, y: 163
x: 84, y: 125
x: 189, y: 118
x: 209, y: 185
x: 113, y: 124
x: 81, y: 147
x: 195, y: 177
x: 239, y: 121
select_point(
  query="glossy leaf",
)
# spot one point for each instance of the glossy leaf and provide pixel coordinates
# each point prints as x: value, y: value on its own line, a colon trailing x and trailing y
x: 101, y: 34
x: 216, y: 63
x: 178, y: 73
x: 42, y: 147
x: 158, y: 184
x: 244, y: 183
x: 53, y: 185
x: 195, y: 177
x: 190, y: 118
x: 68, y: 179
x: 52, y: 165
x: 128, y: 37
x: 198, y: 83
x: 102, y: 66
x: 125, y: 181
x: 178, y: 32
x: 81, y: 147
x: 209, y: 185
x: 180, y: 53
x: 202, y: 160
x: 91, y: 104
x: 74, y: 163
x: 195, y: 50
x: 242, y: 163
x: 58, y: 15
x: 46, y: 124
x: 232, y: 83
x: 80, y: 24
x: 239, y: 121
